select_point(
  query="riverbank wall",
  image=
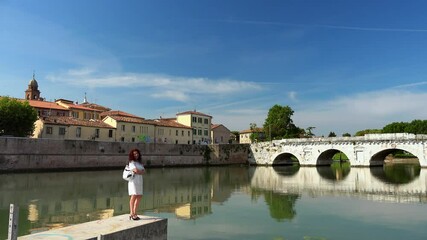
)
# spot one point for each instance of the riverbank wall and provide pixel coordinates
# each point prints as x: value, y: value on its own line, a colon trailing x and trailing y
x: 27, y: 154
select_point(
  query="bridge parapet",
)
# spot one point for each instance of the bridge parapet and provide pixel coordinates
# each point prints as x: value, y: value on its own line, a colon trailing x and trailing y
x: 363, y: 151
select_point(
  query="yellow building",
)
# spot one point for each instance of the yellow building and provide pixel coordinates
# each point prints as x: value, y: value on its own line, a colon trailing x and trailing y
x: 129, y: 128
x: 245, y: 135
x: 200, y: 124
x: 169, y: 131
x: 63, y: 127
x: 220, y: 134
x: 79, y: 111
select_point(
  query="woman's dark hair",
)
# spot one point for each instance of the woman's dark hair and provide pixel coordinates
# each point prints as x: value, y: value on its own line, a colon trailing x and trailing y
x: 132, y: 157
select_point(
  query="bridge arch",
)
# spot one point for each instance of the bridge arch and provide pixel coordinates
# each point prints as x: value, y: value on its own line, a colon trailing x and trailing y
x: 286, y: 158
x: 325, y: 157
x: 378, y: 158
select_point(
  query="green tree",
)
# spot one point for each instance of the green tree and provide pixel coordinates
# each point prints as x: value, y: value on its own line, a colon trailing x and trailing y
x: 308, y: 132
x: 417, y: 127
x: 368, y: 131
x: 346, y: 135
x: 332, y: 134
x: 279, y: 124
x: 16, y: 118
x: 255, y: 133
x: 395, y: 127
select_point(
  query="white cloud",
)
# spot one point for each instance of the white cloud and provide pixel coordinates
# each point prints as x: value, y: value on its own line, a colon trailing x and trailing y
x: 361, y: 111
x: 178, y: 96
x: 161, y: 85
x: 292, y: 95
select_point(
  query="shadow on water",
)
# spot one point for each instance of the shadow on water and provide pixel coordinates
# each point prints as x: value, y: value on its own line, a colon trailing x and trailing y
x: 396, y: 173
x: 337, y: 171
x: 286, y: 170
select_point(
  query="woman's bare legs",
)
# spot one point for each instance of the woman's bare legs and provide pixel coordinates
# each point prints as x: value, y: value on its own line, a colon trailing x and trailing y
x: 133, y: 204
x: 136, y: 204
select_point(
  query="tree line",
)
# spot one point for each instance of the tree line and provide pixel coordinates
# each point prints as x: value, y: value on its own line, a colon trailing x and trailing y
x: 279, y: 125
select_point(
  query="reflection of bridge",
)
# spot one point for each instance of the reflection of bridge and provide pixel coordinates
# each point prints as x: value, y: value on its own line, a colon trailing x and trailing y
x: 368, y: 150
x: 359, y: 181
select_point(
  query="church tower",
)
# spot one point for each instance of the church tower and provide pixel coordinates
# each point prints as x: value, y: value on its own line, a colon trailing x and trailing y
x: 32, y: 92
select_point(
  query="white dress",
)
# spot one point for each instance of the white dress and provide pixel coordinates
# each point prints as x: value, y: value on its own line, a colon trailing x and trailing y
x: 135, y: 185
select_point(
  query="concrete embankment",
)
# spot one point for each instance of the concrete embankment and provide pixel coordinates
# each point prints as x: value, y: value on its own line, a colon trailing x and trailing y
x: 115, y: 228
x: 26, y: 154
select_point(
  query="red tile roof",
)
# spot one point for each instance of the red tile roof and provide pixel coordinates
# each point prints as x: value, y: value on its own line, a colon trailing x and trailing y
x: 257, y: 130
x: 45, y: 105
x: 68, y: 121
x: 95, y: 106
x: 170, y: 123
x: 79, y: 107
x: 129, y: 119
x: 119, y: 113
x: 193, y: 113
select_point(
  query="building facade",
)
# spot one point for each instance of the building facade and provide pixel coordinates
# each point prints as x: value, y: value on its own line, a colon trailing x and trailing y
x: 220, y: 134
x: 200, y: 124
x: 69, y: 128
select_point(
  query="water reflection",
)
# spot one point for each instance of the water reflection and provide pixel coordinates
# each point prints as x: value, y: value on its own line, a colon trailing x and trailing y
x: 338, y: 171
x: 397, y: 173
x: 48, y: 200
x: 281, y: 206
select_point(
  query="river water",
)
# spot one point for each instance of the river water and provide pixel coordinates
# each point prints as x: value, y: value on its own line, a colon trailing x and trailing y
x: 233, y: 202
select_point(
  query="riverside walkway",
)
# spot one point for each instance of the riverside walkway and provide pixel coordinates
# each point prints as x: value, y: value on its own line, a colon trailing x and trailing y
x: 117, y: 228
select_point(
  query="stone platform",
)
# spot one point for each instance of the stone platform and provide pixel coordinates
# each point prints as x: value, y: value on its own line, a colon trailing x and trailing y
x: 118, y: 227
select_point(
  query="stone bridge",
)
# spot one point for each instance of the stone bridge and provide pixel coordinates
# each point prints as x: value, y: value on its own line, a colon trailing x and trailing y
x: 365, y: 151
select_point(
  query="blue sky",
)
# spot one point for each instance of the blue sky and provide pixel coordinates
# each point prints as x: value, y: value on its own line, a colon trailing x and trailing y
x: 341, y: 65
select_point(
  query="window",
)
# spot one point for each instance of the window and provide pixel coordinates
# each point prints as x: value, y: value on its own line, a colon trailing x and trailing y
x: 97, y: 133
x: 75, y: 114
x: 88, y: 115
x: 182, y: 133
x: 206, y: 121
x: 49, y: 130
x: 176, y: 141
x: 160, y: 131
x: 110, y: 133
x: 122, y: 139
x: 123, y: 128
x: 133, y: 128
x: 188, y: 133
x: 133, y: 139
x: 206, y: 132
x: 199, y: 120
x: 176, y: 133
x: 194, y: 119
x: 199, y: 132
x: 61, y: 131
x: 194, y: 131
x: 78, y: 132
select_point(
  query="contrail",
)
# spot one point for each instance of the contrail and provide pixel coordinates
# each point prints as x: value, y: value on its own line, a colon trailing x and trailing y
x: 325, y: 26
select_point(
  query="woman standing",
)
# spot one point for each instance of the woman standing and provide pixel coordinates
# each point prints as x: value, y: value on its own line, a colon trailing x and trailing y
x: 135, y: 185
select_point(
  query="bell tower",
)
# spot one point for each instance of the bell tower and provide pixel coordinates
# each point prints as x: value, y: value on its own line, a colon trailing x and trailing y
x: 32, y: 92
